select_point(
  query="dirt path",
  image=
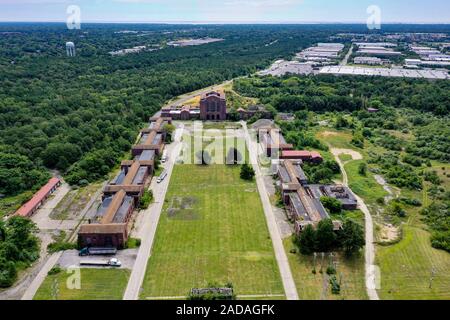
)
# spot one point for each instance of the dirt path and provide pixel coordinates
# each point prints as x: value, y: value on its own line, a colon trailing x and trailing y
x: 354, y: 154
x: 369, y: 247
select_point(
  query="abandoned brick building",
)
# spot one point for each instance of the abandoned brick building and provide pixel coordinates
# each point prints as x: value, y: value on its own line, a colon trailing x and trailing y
x: 110, y: 225
x: 302, y: 199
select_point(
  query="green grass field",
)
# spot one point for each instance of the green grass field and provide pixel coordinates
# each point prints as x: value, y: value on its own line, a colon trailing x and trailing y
x: 212, y: 229
x: 96, y: 284
x: 364, y: 186
x: 406, y: 268
x: 316, y: 286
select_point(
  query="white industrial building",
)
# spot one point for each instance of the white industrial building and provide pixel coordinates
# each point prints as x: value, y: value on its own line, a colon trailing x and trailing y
x: 368, y: 60
x: 385, y: 72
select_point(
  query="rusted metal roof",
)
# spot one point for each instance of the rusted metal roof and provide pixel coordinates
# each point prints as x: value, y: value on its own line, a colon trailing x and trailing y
x: 27, y: 209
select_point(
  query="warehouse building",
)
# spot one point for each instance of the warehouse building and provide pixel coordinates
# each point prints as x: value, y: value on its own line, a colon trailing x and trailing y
x: 302, y: 200
x: 272, y: 141
x: 29, y: 208
x: 368, y: 60
x: 303, y: 155
x: 110, y: 226
x: 130, y: 179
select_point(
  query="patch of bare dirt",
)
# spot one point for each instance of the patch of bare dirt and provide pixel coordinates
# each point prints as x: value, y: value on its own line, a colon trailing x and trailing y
x: 388, y: 232
x: 354, y: 154
x: 329, y: 134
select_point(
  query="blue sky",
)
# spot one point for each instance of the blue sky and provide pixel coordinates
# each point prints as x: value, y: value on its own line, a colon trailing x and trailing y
x: 231, y: 11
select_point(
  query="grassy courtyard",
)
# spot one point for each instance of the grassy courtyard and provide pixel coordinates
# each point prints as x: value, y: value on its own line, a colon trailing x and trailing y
x: 310, y: 286
x: 212, y: 229
x: 96, y: 284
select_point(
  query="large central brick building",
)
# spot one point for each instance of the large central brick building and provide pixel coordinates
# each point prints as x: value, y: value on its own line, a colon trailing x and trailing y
x: 213, y: 106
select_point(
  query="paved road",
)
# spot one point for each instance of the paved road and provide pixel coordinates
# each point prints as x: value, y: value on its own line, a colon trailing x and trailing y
x: 150, y: 222
x: 369, y: 247
x: 347, y: 56
x: 37, y: 281
x: 42, y: 216
x: 280, y: 254
x: 72, y: 258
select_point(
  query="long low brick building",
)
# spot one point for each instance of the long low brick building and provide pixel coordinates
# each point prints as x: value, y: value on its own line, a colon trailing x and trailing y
x: 30, y: 207
x: 273, y: 141
x: 110, y: 226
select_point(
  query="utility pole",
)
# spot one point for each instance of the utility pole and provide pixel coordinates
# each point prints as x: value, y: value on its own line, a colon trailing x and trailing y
x: 433, y: 272
x: 321, y: 262
x: 55, y: 289
x: 315, y: 255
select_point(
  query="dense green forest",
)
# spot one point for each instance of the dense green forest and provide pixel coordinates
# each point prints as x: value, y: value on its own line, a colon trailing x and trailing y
x: 19, y: 247
x: 80, y: 115
x: 330, y: 93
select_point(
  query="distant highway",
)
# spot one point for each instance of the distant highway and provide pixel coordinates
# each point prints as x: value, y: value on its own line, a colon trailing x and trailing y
x: 344, y: 62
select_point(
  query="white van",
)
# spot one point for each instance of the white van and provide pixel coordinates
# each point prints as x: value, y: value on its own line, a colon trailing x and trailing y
x: 162, y: 176
x: 164, y: 157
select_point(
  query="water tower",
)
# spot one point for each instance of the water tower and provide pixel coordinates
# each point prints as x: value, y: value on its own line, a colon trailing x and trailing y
x: 70, y: 49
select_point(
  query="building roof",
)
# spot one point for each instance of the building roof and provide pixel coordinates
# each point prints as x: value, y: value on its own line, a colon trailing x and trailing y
x: 132, y: 171
x: 113, y: 207
x: 28, y: 207
x: 96, y: 228
x: 296, y: 153
x: 315, y: 155
x: 218, y: 94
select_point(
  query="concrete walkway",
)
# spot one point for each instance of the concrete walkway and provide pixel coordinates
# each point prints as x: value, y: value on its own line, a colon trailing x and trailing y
x: 37, y: 281
x: 280, y: 254
x: 150, y: 222
x: 369, y: 247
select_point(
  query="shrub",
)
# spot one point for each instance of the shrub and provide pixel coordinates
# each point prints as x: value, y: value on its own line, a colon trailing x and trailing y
x: 335, y: 286
x: 441, y: 240
x: 362, y: 169
x: 332, y: 204
x: 247, y: 172
x: 331, y: 270
x: 146, y: 199
x: 60, y: 246
x: 54, y: 270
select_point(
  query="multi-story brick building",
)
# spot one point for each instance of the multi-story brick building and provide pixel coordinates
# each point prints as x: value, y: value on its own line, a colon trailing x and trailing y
x: 213, y: 106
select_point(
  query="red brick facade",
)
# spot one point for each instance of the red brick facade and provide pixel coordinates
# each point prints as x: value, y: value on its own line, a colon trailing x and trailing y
x: 213, y: 107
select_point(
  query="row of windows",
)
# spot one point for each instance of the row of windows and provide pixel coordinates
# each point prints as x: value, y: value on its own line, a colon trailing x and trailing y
x: 213, y: 106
